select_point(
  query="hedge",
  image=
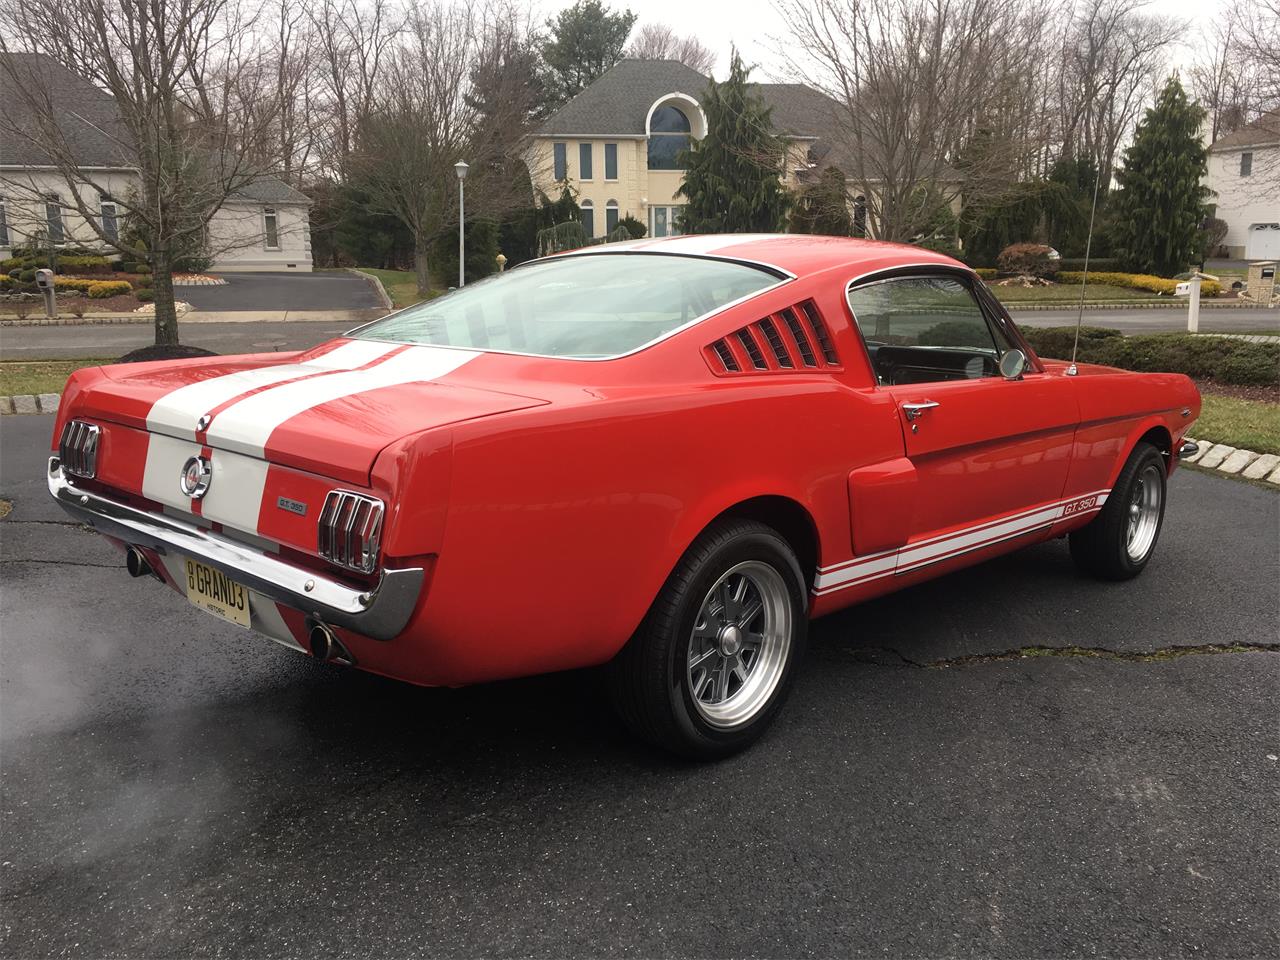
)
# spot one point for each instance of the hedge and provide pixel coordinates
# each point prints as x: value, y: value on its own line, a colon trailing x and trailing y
x: 1223, y: 359
x: 1138, y: 281
x: 1095, y: 263
x: 109, y: 288
x: 986, y: 273
x: 79, y: 264
x: 72, y: 283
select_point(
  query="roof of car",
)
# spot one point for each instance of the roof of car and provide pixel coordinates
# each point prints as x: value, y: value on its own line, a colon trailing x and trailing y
x: 792, y: 253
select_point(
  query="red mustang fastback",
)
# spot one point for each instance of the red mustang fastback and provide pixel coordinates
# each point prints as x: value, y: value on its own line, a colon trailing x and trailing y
x: 665, y: 456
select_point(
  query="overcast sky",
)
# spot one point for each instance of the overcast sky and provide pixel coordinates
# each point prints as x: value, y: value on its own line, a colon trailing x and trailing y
x: 750, y: 24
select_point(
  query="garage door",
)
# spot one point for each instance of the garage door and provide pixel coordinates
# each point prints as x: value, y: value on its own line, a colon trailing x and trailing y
x: 1263, y: 242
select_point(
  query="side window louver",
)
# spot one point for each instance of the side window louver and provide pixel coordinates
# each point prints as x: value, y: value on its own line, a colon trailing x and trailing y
x: 792, y: 340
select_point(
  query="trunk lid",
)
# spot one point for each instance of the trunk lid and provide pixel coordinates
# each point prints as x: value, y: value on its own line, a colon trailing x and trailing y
x: 329, y: 411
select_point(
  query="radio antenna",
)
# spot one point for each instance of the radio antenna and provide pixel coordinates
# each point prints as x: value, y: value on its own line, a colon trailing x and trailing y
x: 1084, y: 280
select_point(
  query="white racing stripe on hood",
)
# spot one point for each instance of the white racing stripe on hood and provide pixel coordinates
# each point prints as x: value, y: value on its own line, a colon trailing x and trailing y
x: 247, y: 426
x: 176, y: 413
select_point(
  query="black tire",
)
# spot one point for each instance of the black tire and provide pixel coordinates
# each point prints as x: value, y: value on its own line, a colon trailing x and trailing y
x: 1102, y: 548
x: 651, y: 677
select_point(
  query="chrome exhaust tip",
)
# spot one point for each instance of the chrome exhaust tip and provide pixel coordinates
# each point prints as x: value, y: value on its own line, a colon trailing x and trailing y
x: 325, y: 645
x: 137, y: 564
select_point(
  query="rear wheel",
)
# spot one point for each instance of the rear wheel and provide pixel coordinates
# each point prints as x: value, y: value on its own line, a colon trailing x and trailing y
x: 1119, y: 541
x: 715, y: 656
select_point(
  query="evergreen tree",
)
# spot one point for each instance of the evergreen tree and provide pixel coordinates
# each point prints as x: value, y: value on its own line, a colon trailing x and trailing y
x: 1161, y: 204
x: 585, y: 41
x: 733, y: 174
x: 822, y: 206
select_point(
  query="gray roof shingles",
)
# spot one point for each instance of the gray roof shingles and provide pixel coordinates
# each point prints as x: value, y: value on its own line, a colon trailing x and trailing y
x: 90, y: 125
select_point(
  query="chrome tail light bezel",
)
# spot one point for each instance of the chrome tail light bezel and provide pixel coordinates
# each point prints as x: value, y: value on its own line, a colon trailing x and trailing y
x: 349, y: 530
x: 78, y: 449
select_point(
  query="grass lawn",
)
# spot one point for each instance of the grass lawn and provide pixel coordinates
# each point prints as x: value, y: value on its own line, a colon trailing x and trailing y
x: 39, y: 376
x: 401, y: 286
x: 1069, y: 293
x: 1249, y: 424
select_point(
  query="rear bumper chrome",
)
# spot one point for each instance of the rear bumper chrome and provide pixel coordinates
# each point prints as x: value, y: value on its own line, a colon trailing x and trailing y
x: 380, y: 613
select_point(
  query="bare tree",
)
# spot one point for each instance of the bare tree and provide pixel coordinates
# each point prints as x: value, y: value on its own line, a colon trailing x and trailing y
x: 657, y: 41
x: 1257, y: 25
x: 426, y: 116
x: 190, y: 114
x: 1224, y: 80
x: 1113, y: 56
x: 921, y: 87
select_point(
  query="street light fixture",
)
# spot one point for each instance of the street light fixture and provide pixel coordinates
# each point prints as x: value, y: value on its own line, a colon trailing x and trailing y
x: 461, y: 168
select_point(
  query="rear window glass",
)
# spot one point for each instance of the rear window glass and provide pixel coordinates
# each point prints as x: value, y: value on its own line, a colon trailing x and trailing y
x: 584, y: 307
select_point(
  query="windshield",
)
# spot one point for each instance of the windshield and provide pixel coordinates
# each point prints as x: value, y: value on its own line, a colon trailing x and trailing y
x: 583, y: 307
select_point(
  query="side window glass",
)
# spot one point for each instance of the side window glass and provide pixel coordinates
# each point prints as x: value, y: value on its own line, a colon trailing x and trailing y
x: 925, y: 329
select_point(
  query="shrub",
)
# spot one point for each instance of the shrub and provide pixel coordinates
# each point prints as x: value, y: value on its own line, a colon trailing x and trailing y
x: 71, y: 263
x: 27, y: 276
x: 986, y: 273
x: 109, y: 288
x: 1095, y: 264
x: 12, y: 264
x: 1223, y: 359
x: 634, y: 227
x: 1031, y: 259
x: 143, y: 282
x: 145, y: 295
x: 7, y: 283
x: 72, y: 283
x: 1139, y: 281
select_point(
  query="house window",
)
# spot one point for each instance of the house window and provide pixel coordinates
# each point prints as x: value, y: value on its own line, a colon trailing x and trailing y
x: 611, y: 161
x: 588, y: 218
x: 1246, y: 163
x: 584, y: 161
x: 271, y: 228
x: 668, y: 135
x: 610, y: 217
x: 53, y: 220
x: 110, y: 223
x: 559, y: 155
x: 4, y: 225
x: 664, y: 221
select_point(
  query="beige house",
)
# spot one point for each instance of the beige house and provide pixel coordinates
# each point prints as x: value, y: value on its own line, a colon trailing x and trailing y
x: 617, y: 141
x: 264, y: 226
x: 1244, y: 175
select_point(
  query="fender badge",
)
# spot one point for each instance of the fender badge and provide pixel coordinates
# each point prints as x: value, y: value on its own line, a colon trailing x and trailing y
x: 197, y: 474
x: 293, y: 506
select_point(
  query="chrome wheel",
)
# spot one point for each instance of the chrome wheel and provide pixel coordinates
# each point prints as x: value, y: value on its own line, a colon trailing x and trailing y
x: 739, y: 646
x: 1144, y: 512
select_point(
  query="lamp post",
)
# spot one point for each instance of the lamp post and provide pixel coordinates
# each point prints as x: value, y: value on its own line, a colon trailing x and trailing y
x: 461, y: 167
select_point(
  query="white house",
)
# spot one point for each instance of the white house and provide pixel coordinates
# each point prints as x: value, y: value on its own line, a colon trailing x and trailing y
x: 263, y: 226
x: 1244, y: 175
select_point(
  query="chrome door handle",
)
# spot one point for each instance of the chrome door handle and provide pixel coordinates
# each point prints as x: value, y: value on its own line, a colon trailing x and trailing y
x: 914, y: 410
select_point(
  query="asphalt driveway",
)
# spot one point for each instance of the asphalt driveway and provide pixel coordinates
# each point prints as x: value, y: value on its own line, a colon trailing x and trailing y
x: 322, y: 290
x: 173, y: 786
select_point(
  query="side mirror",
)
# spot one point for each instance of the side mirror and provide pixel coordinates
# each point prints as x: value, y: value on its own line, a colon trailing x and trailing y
x: 1012, y: 364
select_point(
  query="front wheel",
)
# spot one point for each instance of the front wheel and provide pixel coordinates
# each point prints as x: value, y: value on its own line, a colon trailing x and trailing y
x: 715, y: 656
x: 1119, y: 541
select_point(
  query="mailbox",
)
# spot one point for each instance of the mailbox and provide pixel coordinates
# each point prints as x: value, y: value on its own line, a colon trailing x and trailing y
x: 44, y: 279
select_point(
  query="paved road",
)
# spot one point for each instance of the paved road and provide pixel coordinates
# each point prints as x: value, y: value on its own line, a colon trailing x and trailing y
x: 1159, y: 319
x: 113, y: 340
x: 326, y: 290
x: 175, y: 787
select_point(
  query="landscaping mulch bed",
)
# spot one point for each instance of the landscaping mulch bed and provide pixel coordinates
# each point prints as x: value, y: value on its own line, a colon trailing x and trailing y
x: 1265, y: 394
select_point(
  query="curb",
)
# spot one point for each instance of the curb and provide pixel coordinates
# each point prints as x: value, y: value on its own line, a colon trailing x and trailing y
x: 1221, y: 458
x: 30, y: 403
x: 1019, y: 307
x: 378, y: 288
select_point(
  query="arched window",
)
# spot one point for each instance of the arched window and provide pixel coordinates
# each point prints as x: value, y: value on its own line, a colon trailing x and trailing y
x: 668, y: 135
x: 610, y: 217
x: 588, y: 217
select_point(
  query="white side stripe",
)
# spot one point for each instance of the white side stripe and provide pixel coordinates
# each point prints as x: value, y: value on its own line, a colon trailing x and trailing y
x: 176, y: 413
x: 920, y: 554
x: 246, y: 426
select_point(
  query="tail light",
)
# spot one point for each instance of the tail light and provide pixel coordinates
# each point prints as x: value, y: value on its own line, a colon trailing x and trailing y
x: 351, y: 530
x: 78, y: 449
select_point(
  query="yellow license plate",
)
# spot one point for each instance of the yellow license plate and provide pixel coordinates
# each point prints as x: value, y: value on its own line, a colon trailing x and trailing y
x: 214, y: 592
